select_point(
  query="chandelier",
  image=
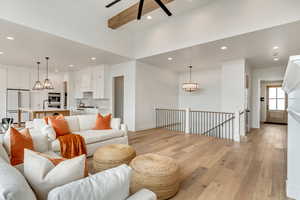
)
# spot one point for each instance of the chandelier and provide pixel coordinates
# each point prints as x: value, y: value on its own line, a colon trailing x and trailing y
x: 190, y: 86
x: 47, y: 83
x: 38, y: 85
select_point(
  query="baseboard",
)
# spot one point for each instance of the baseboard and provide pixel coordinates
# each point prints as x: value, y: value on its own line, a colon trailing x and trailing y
x: 293, y: 191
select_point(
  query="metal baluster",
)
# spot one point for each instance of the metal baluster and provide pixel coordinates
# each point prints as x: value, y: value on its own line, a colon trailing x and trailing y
x: 197, y: 123
x: 232, y: 127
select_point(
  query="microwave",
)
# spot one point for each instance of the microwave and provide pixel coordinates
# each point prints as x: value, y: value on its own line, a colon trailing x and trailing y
x: 54, y: 100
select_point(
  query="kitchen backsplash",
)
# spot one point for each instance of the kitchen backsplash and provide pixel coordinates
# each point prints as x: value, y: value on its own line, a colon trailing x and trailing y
x: 89, y: 101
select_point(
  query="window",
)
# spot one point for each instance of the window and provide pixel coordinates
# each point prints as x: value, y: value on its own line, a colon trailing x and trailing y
x: 276, y: 98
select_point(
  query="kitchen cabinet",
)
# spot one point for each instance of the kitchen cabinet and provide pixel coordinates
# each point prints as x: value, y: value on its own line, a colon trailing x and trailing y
x: 18, y: 78
x: 78, y: 93
x: 90, y: 80
x: 98, y: 82
x: 37, y: 98
x: 86, y: 80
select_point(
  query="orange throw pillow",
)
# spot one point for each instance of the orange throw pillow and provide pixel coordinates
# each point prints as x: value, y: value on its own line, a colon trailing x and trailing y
x: 18, y: 142
x: 60, y: 126
x: 102, y: 122
x: 53, y: 117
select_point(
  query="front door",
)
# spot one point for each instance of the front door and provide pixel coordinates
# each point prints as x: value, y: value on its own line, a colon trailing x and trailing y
x: 276, y: 105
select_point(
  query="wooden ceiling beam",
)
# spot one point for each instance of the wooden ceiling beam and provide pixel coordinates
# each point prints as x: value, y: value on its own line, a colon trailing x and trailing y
x: 130, y: 13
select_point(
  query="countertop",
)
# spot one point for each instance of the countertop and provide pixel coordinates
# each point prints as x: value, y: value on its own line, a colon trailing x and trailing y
x: 41, y: 110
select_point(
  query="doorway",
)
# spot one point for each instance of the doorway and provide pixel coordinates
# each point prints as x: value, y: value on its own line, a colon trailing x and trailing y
x: 119, y: 97
x: 276, y: 105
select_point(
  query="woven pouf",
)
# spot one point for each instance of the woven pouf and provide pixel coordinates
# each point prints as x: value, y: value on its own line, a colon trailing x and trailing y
x: 159, y: 174
x: 111, y: 156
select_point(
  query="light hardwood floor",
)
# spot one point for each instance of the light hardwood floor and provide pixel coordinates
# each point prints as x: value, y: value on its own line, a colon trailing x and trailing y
x: 214, y: 169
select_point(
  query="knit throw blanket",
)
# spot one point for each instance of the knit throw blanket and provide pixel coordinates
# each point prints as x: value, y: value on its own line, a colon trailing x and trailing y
x: 72, y: 145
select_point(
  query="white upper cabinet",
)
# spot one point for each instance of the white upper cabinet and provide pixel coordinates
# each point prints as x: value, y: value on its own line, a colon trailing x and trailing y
x: 86, y: 80
x: 89, y: 80
x: 98, y: 82
x: 18, y: 78
x: 78, y: 93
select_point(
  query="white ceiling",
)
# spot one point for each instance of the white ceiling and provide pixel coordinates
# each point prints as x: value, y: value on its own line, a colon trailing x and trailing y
x: 31, y: 45
x: 86, y: 20
x: 177, y: 7
x: 256, y: 47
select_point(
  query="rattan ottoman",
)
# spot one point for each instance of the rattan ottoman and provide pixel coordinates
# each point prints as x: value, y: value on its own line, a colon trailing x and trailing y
x: 111, y: 156
x: 159, y: 174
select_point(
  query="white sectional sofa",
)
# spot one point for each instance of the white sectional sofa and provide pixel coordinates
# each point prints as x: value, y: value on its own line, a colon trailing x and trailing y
x: 83, y: 125
x: 111, y: 184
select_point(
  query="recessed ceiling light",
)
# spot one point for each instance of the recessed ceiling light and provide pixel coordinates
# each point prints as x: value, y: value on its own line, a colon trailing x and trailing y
x: 10, y: 38
x: 149, y: 17
x: 1, y: 52
x: 224, y: 48
x: 170, y: 58
x: 71, y: 65
x: 93, y: 58
x: 275, y: 59
x: 275, y: 47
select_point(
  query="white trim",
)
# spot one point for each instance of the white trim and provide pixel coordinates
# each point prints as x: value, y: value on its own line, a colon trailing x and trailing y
x: 293, y: 191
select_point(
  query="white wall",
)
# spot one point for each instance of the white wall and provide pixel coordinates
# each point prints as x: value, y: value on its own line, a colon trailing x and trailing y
x: 208, y: 98
x: 292, y: 87
x: 259, y: 74
x: 155, y: 88
x: 217, y: 20
x: 233, y: 85
x: 248, y: 94
x: 3, y: 86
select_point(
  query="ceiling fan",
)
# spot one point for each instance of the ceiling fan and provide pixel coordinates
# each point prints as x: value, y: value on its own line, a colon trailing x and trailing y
x: 141, y: 4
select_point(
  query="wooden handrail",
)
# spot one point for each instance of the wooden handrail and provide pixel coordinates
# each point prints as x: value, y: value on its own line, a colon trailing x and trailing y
x: 169, y: 109
x: 217, y: 126
x: 211, y: 112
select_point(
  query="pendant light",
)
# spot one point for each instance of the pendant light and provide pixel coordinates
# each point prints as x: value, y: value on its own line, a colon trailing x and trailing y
x: 47, y: 83
x: 190, y: 86
x: 38, y: 85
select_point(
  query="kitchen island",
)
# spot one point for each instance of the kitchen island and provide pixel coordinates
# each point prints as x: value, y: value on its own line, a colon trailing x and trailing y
x: 40, y: 113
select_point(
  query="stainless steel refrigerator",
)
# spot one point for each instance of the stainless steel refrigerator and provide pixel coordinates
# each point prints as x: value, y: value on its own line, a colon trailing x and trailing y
x: 17, y: 98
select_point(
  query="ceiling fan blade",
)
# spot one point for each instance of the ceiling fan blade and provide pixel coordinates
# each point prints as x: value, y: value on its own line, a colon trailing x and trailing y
x: 112, y: 3
x: 140, y: 9
x: 163, y: 7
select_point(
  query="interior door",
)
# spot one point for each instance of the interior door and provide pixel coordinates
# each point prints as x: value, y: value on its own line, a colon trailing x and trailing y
x: 276, y: 105
x: 119, y: 97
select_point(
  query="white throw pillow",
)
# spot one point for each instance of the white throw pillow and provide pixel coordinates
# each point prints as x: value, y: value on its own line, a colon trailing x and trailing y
x: 43, y: 175
x: 3, y: 154
x: 13, y: 185
x: 87, y: 122
x: 49, y: 132
x: 112, y: 184
x: 39, y: 123
x: 73, y: 123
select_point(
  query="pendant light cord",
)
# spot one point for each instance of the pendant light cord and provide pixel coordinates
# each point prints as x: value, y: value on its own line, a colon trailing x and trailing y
x: 38, y: 63
x: 47, y: 58
x: 190, y: 73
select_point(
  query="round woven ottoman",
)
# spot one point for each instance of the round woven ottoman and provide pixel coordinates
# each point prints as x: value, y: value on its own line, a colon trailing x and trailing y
x: 112, y: 155
x: 159, y: 174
